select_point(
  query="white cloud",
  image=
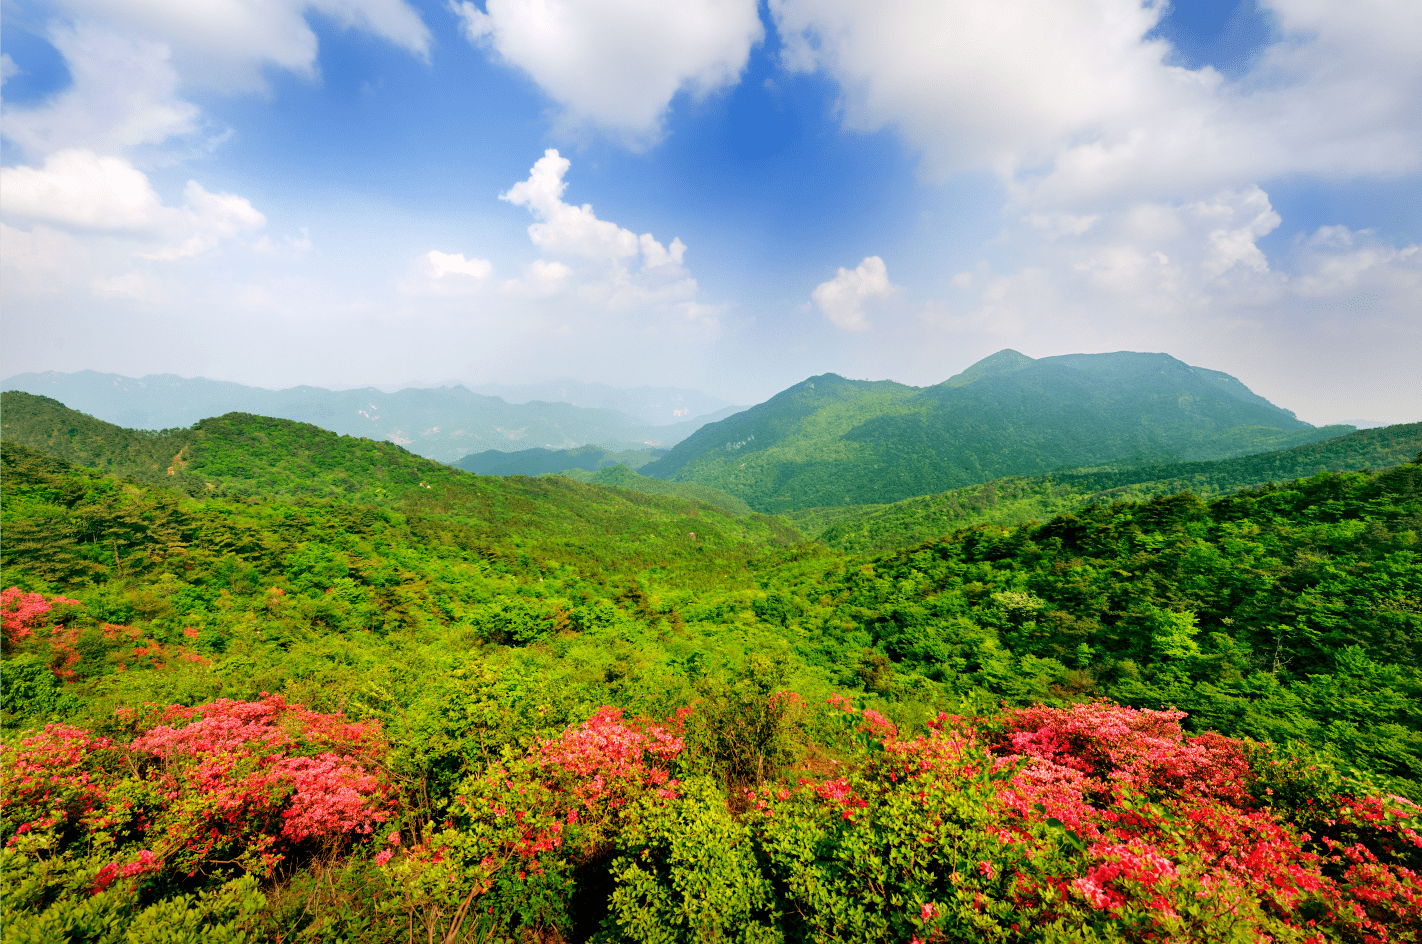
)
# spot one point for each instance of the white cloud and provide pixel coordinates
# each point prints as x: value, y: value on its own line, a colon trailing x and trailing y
x: 446, y: 265
x: 608, y: 270
x: 655, y: 255
x: 209, y: 218
x: 225, y: 44
x: 616, y: 64
x: 842, y: 298
x: 78, y: 189
x: 1352, y: 270
x: 446, y: 274
x: 123, y: 96
x: 976, y: 84
x: 83, y: 192
x: 1241, y: 218
x: 566, y: 229
x: 1069, y: 102
x: 7, y: 67
x: 541, y: 279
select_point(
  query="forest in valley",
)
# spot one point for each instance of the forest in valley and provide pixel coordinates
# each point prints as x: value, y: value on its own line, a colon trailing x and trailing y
x: 266, y: 683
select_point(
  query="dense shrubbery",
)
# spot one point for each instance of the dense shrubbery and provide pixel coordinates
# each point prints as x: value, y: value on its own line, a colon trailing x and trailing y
x: 1090, y: 823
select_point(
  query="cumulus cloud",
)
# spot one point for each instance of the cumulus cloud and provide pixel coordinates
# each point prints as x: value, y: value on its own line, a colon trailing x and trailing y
x: 446, y: 265
x: 1073, y: 104
x: 543, y: 278
x: 842, y: 299
x: 82, y: 192
x: 566, y: 228
x: 123, y: 95
x: 616, y: 64
x: 575, y: 230
x: 608, y: 269
x: 227, y: 43
x: 78, y: 189
x: 446, y: 273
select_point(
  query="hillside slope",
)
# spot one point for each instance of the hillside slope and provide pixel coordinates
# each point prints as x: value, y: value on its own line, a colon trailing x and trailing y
x: 866, y: 529
x: 623, y: 477
x: 253, y: 457
x: 830, y: 441
x: 544, y: 461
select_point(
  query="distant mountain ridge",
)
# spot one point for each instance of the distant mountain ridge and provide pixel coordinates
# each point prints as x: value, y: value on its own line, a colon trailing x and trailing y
x: 656, y: 406
x: 831, y: 441
x: 441, y: 423
x: 244, y: 455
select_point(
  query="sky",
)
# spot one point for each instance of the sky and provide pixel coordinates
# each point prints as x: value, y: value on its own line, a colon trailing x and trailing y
x: 716, y: 194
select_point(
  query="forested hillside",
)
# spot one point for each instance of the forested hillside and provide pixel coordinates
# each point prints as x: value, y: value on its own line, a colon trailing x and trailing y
x: 831, y: 441
x: 348, y: 694
x: 544, y: 461
x: 879, y: 528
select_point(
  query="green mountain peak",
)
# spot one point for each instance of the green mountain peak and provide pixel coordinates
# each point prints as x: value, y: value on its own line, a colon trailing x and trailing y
x: 1005, y: 361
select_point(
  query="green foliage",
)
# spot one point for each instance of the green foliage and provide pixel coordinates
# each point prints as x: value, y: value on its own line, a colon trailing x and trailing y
x: 544, y: 461
x: 32, y: 691
x: 861, y: 529
x: 689, y: 875
x: 623, y: 477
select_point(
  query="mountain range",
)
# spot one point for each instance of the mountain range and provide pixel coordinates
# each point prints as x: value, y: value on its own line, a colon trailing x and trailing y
x: 832, y: 441
x: 441, y: 423
x: 826, y: 442
x: 655, y: 406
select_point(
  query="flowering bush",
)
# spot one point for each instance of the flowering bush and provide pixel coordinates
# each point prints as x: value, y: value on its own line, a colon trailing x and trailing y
x: 522, y: 828
x: 1089, y: 822
x: 21, y: 613
x: 196, y: 792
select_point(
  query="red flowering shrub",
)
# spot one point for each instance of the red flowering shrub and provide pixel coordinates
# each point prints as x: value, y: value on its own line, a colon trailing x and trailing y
x: 1114, y: 745
x: 21, y: 613
x: 229, y: 783
x: 520, y: 829
x: 1094, y: 816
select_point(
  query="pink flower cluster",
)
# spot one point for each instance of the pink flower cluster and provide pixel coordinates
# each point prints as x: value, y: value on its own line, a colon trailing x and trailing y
x: 1122, y: 863
x: 1139, y: 812
x: 1114, y: 744
x: 249, y: 780
x: 49, y: 778
x: 21, y: 612
x: 841, y: 793
x: 607, y: 750
x: 568, y: 794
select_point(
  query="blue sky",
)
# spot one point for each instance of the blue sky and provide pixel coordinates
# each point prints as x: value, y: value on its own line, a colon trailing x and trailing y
x: 352, y: 192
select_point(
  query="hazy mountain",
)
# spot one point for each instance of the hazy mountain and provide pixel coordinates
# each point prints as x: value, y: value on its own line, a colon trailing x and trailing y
x: 832, y: 441
x: 656, y: 406
x: 443, y: 423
